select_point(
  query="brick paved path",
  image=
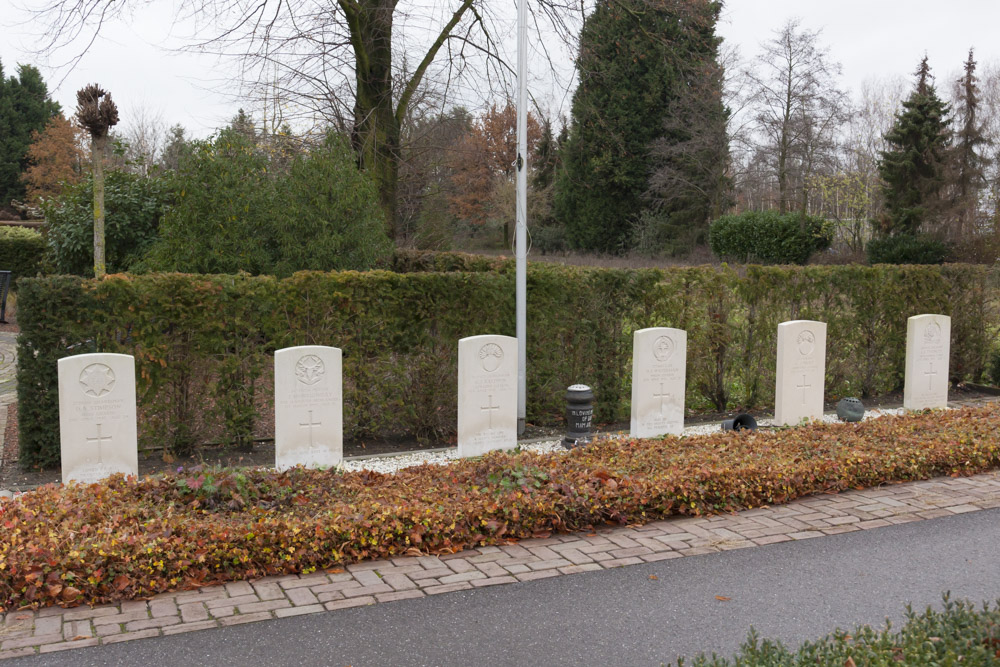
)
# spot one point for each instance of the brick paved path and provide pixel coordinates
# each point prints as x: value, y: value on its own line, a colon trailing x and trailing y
x: 383, y: 581
x: 8, y: 380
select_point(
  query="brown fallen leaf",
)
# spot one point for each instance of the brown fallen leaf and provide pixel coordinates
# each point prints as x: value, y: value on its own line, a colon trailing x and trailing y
x: 335, y: 570
x: 722, y: 598
x: 79, y: 637
x: 850, y: 662
x: 653, y: 577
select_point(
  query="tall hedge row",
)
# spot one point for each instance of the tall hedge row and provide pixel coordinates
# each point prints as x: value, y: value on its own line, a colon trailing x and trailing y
x: 203, y: 344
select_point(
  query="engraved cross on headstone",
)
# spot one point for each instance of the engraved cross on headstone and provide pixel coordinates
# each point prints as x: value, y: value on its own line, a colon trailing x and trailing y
x: 309, y: 425
x: 662, y: 396
x: 930, y: 376
x: 489, y: 409
x: 99, y: 440
x: 803, y: 387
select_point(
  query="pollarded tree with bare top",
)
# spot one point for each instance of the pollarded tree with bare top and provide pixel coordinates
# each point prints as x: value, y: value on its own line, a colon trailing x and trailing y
x: 96, y: 113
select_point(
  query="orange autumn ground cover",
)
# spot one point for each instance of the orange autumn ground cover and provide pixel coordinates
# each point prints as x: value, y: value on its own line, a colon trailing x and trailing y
x: 129, y: 538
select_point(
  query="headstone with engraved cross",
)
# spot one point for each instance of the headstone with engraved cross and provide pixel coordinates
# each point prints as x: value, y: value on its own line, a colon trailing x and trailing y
x: 308, y: 407
x: 801, y: 371
x: 487, y: 394
x: 659, y: 366
x: 928, y: 345
x: 97, y: 427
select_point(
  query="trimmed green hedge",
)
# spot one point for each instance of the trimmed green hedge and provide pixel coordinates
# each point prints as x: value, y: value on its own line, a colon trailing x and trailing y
x: 906, y: 249
x: 21, y: 252
x: 203, y: 344
x: 769, y: 237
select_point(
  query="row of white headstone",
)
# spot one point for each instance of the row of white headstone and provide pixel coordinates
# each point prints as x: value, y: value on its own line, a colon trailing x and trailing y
x: 97, y: 411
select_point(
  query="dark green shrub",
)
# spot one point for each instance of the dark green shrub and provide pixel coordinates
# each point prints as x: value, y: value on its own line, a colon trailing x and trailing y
x: 236, y: 211
x: 958, y: 635
x: 768, y: 237
x: 21, y: 252
x: 133, y: 207
x: 203, y: 343
x: 906, y: 249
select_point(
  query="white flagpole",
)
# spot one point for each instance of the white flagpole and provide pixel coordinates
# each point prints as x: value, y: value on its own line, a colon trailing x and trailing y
x: 521, y: 221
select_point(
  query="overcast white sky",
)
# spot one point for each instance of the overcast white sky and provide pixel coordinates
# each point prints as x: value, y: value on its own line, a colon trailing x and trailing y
x: 870, y: 38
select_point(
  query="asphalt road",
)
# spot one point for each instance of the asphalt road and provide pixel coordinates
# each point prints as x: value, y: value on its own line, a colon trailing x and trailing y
x: 791, y: 591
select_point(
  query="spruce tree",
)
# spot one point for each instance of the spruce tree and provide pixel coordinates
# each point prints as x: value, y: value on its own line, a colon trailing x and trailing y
x: 969, y: 164
x: 636, y: 59
x: 25, y: 107
x: 914, y: 167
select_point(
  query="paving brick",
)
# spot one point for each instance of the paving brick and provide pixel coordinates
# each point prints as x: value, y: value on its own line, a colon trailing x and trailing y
x: 837, y: 530
x: 771, y: 539
x: 805, y: 534
x: 237, y: 589
x: 160, y: 608
x: 232, y: 602
x: 330, y: 597
x: 301, y: 597
x: 517, y: 568
x: 431, y: 562
x: 305, y: 581
x: 369, y: 565
x: 267, y: 605
x: 399, y: 582
x: 94, y: 612
x: 19, y: 653
x: 344, y: 604
x: 189, y: 627
x: 549, y: 564
x: 491, y: 569
x: 399, y: 595
x: 268, y: 590
x: 621, y: 562
x: 459, y: 566
x: 48, y: 626
x: 531, y: 576
x: 447, y: 588
x: 66, y: 646
x: 663, y: 555
x: 633, y: 551
x: 193, y: 612
x: 487, y: 558
x: 130, y: 636
x: 77, y: 630
x: 33, y: 640
x: 464, y: 576
x: 298, y: 611
x: 152, y: 623
x: 576, y: 569
x: 366, y: 590
x: 105, y: 630
x: 493, y: 581
x: 245, y: 618
x: 432, y: 573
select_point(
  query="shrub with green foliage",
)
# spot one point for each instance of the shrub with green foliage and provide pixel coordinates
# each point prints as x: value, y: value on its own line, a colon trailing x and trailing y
x: 203, y: 344
x: 957, y: 635
x: 769, y: 237
x: 22, y: 251
x: 236, y: 211
x: 128, y: 538
x: 133, y: 207
x: 906, y: 249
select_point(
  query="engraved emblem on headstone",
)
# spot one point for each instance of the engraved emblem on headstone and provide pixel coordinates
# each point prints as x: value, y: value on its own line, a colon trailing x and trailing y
x: 491, y: 355
x: 310, y: 369
x: 97, y: 380
x: 806, y: 342
x: 663, y: 348
x: 932, y: 333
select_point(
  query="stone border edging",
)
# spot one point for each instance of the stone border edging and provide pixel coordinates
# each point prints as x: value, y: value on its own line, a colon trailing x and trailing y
x: 374, y: 582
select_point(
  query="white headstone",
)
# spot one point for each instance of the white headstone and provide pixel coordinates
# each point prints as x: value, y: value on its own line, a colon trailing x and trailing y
x: 487, y: 394
x: 928, y: 346
x: 659, y: 366
x: 97, y: 428
x: 308, y: 407
x: 801, y: 371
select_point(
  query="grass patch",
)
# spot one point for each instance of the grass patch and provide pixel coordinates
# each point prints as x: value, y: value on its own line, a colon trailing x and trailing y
x: 128, y: 538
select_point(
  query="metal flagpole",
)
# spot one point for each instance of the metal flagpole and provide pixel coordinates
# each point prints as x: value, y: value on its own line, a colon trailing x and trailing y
x: 521, y: 221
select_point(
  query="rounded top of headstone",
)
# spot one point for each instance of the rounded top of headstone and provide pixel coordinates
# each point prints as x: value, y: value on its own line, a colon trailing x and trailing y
x: 850, y: 409
x: 578, y: 387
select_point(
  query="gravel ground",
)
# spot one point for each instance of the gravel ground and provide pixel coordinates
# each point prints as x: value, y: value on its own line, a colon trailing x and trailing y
x: 390, y: 464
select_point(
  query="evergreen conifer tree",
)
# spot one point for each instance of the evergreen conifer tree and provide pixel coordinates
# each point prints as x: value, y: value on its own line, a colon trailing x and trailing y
x: 636, y: 59
x: 25, y: 107
x: 914, y: 167
x: 969, y: 162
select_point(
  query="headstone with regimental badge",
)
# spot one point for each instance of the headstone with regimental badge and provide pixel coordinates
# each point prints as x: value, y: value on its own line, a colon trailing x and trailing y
x: 659, y: 360
x: 97, y: 426
x: 928, y: 345
x: 308, y: 407
x: 801, y: 371
x: 487, y: 394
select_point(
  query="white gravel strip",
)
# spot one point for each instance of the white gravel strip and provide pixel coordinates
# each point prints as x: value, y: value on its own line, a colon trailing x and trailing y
x: 390, y: 464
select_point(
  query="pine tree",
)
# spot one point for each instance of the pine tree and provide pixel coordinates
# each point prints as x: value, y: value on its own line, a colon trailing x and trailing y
x: 969, y: 163
x: 914, y: 167
x: 635, y: 61
x: 25, y: 107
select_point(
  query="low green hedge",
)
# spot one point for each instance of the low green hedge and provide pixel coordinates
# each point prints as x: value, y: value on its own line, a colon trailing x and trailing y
x: 906, y: 249
x: 204, y: 343
x: 769, y: 237
x: 21, y: 252
x: 958, y: 635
